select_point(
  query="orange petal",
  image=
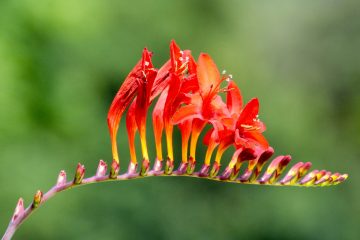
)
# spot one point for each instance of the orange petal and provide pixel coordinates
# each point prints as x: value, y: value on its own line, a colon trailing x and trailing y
x: 234, y: 98
x: 258, y: 137
x: 185, y: 113
x: 131, y: 130
x: 161, y: 81
x: 208, y: 75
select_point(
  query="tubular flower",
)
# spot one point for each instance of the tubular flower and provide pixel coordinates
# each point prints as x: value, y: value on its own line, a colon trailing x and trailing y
x: 126, y: 93
x: 188, y: 95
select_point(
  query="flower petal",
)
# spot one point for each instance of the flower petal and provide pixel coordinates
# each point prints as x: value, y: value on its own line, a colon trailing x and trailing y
x: 185, y: 113
x: 208, y: 76
x: 234, y: 98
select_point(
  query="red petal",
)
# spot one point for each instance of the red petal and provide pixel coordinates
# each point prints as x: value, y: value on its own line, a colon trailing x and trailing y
x: 207, y: 137
x: 208, y: 76
x: 123, y: 98
x: 258, y: 137
x: 161, y: 81
x: 250, y: 112
x: 174, y: 88
x: 185, y: 113
x: 175, y: 56
x: 158, y: 119
x: 131, y: 130
x: 234, y: 98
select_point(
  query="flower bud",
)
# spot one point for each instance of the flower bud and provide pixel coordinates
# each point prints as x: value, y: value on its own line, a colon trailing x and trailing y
x: 191, y: 165
x: 182, y: 168
x: 309, y: 178
x: 102, y: 168
x: 79, y: 174
x: 61, y: 180
x: 114, y: 170
x: 157, y: 165
x: 37, y: 199
x: 215, y: 170
x: 226, y: 174
x: 204, y: 171
x: 19, y: 210
x: 145, y: 167
x: 132, y: 168
x: 169, y: 167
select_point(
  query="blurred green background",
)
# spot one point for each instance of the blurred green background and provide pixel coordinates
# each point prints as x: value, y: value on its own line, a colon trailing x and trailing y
x: 61, y: 62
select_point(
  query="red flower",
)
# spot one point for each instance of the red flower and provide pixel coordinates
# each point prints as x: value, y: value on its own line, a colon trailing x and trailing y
x: 140, y: 78
x: 181, y: 81
x: 205, y: 105
x: 189, y: 95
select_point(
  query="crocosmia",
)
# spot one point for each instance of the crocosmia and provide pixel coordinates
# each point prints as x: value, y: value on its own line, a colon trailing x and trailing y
x: 192, y: 95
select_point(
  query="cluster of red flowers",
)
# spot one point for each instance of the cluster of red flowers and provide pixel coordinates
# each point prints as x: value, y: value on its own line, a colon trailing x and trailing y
x: 188, y: 98
x: 188, y: 94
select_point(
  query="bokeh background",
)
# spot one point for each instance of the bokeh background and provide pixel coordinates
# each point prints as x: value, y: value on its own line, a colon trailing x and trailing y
x: 61, y: 62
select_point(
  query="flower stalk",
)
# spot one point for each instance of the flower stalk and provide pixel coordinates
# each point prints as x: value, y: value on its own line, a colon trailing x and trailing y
x: 313, y: 179
x: 188, y: 95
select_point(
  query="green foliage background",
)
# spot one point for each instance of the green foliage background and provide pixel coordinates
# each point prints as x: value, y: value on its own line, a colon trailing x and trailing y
x: 61, y: 63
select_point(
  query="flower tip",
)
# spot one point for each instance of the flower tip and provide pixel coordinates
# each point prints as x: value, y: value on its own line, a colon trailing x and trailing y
x: 248, y: 154
x: 146, y: 59
x: 102, y: 168
x: 342, y: 178
x: 309, y: 178
x: 286, y: 159
x: 61, y: 180
x: 173, y: 45
x: 19, y: 210
x: 79, y: 174
x: 37, y: 199
x: 266, y: 155
x: 114, y: 169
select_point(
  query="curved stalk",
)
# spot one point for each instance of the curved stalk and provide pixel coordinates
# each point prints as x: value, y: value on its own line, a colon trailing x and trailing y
x: 295, y: 177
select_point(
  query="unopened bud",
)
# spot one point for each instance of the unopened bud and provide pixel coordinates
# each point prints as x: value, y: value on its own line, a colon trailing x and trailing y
x: 19, y: 210
x: 114, y: 170
x: 132, y: 168
x: 182, y: 168
x: 79, y: 174
x: 145, y: 167
x: 215, y: 170
x: 204, y: 171
x: 102, y: 168
x: 169, y: 167
x: 191, y: 165
x: 234, y: 173
x: 61, y: 180
x: 226, y: 174
x: 309, y: 178
x: 157, y: 165
x: 37, y: 199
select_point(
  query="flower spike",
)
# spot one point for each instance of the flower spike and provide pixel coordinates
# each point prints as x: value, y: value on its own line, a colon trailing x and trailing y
x: 188, y: 96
